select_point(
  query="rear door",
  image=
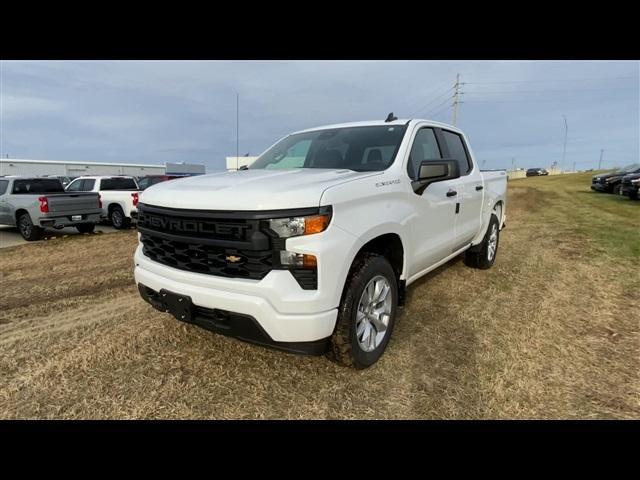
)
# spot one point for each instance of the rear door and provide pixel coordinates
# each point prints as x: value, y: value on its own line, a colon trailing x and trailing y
x: 469, y: 187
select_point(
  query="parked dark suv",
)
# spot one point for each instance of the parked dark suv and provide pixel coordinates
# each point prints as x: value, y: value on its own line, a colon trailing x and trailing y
x: 612, y: 182
x: 629, y: 186
x: 536, y: 172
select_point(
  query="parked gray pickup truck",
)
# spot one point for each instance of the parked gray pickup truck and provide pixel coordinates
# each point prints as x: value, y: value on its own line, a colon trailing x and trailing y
x: 33, y: 203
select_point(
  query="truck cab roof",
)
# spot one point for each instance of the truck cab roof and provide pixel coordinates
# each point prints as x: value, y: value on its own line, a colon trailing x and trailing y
x: 372, y: 123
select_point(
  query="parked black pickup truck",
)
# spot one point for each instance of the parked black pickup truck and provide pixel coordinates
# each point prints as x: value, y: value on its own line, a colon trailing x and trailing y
x: 630, y: 185
x: 612, y: 182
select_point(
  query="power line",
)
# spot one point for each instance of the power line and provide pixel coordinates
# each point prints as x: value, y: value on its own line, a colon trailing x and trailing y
x: 434, y: 115
x: 553, y: 81
x: 445, y: 101
x: 456, y: 99
x: 544, y: 91
x: 537, y: 100
x: 445, y: 92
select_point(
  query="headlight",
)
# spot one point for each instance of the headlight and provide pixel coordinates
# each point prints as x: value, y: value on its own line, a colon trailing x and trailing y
x: 296, y: 226
x: 635, y: 180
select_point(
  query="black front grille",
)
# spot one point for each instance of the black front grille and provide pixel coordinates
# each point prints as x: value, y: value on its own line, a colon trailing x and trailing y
x: 213, y: 260
x: 222, y: 243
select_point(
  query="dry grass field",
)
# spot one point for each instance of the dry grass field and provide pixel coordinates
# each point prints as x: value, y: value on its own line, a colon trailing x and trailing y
x: 552, y: 331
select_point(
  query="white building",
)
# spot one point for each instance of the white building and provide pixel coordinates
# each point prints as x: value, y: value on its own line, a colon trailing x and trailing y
x: 16, y: 166
x: 234, y: 163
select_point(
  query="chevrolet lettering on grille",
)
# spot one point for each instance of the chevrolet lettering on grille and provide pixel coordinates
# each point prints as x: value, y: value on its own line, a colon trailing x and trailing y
x: 236, y: 230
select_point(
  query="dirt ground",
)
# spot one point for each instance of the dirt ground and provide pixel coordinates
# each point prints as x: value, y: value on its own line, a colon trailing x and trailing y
x: 551, y: 331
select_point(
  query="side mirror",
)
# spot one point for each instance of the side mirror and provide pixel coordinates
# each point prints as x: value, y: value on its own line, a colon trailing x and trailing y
x: 435, y: 171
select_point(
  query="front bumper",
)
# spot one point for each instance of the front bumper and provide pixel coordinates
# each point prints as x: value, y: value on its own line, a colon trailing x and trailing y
x: 66, y: 220
x: 243, y: 327
x: 277, y: 303
x: 600, y: 187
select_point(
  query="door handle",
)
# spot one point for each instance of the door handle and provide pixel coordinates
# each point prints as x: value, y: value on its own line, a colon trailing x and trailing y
x: 452, y: 193
x: 479, y: 187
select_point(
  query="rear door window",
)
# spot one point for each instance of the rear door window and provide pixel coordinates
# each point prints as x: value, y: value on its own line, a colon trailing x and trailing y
x: 3, y: 186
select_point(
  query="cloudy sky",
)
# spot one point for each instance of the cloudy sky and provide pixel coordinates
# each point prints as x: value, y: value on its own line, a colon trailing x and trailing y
x: 157, y: 111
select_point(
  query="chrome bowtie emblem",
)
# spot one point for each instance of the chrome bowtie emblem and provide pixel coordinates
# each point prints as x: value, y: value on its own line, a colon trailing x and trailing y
x: 233, y: 258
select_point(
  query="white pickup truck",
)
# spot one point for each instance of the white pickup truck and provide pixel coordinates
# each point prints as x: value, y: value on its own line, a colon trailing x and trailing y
x: 119, y: 196
x: 312, y: 247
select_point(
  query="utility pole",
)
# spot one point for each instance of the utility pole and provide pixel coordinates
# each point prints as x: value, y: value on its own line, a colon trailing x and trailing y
x: 237, y: 128
x: 566, y: 132
x: 456, y: 99
x: 600, y: 162
x: 513, y: 164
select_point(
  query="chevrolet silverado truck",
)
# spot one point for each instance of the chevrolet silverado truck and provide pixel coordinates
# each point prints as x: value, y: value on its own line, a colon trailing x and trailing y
x: 33, y: 203
x: 312, y: 247
x: 119, y: 196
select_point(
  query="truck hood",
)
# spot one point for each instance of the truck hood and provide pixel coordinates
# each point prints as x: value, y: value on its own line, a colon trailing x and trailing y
x: 258, y: 189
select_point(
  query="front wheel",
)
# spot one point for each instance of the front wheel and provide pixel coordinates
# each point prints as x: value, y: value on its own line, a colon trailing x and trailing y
x: 483, y: 255
x: 367, y: 313
x: 617, y: 189
x: 28, y: 230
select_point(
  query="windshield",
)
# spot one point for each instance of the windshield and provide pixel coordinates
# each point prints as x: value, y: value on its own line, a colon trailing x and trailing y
x: 38, y: 185
x: 630, y: 168
x: 355, y: 148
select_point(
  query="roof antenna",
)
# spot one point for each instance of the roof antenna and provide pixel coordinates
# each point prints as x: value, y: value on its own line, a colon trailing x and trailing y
x: 390, y: 118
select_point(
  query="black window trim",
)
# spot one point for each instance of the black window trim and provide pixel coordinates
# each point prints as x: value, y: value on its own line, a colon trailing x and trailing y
x: 448, y: 153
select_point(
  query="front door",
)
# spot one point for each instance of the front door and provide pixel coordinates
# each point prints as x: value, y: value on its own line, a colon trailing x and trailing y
x: 434, y: 223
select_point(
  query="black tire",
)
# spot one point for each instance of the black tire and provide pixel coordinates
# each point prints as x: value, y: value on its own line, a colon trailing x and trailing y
x: 478, y: 256
x: 617, y: 189
x: 86, y: 227
x: 345, y: 348
x: 633, y: 195
x: 28, y: 230
x: 117, y: 218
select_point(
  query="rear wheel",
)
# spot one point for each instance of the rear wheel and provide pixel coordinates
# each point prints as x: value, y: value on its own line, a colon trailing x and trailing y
x: 367, y: 313
x: 118, y: 220
x: 86, y: 227
x: 28, y: 230
x: 483, y: 256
